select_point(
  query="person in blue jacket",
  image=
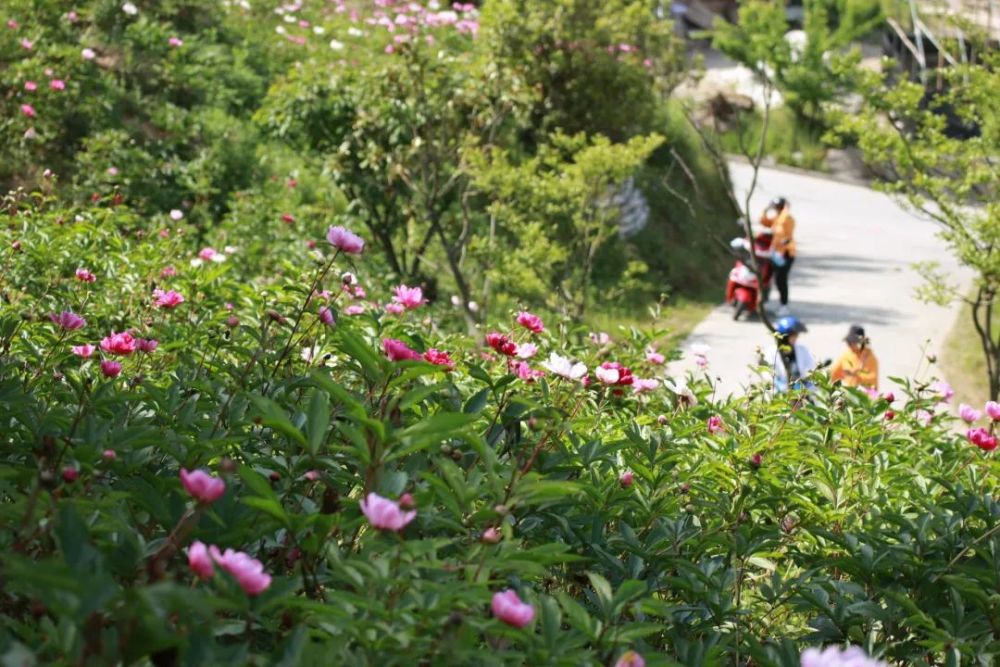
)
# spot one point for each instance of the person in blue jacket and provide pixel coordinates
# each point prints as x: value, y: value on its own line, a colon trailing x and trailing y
x: 789, y: 360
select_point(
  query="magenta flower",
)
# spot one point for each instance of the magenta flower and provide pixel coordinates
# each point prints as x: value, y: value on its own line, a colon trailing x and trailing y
x: 119, y: 343
x: 109, y: 455
x: 169, y: 299
x: 199, y: 560
x: 248, y: 572
x: 168, y: 272
x: 30, y: 86
x: 981, y: 438
x: 993, y: 410
x: 68, y: 320
x: 202, y: 486
x: 385, y: 514
x: 110, y: 368
x: 490, y: 536
x: 83, y: 351
x: 626, y: 478
x: 27, y: 44
x: 397, y: 350
x: 28, y: 110
x: 85, y: 276
x: 630, y: 659
x: 622, y: 376
x: 525, y: 372
x: 968, y: 413
x: 208, y: 253
x: 439, y: 358
x: 507, y: 607
x: 175, y: 42
x: 354, y: 309
x: 394, y: 308
x: 147, y: 345
x: 834, y: 656
x: 715, y: 424
x: 326, y: 316
x: 501, y: 343
x: 532, y: 323
x: 345, y: 240
x: 57, y: 84
x: 409, y: 297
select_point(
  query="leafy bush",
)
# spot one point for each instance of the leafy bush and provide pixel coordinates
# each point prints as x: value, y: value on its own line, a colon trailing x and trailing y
x: 629, y: 514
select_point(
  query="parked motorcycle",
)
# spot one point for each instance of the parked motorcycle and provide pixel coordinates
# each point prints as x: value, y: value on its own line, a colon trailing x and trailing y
x: 743, y: 289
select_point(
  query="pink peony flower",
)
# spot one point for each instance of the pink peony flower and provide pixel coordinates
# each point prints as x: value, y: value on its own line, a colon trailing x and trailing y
x: 355, y: 309
x: 27, y: 44
x: 630, y: 659
x: 70, y: 474
x: 68, y: 320
x: 30, y: 86
x: 248, y: 572
x: 644, y: 386
x: 490, y: 536
x: 119, y: 343
x: 85, y: 276
x: 109, y: 455
x: 168, y: 272
x: 507, y: 607
x: 110, y: 369
x: 409, y: 297
x: 57, y: 84
x: 397, y: 350
x: 199, y: 560
x: 202, y: 486
x: 981, y: 438
x: 439, y: 358
x: 208, y: 254
x: 626, y: 478
x: 168, y: 299
x: 385, y: 514
x: 176, y: 214
x: 88, y: 54
x: 28, y: 110
x: 968, y: 413
x: 83, y: 351
x: 394, y: 308
x: 993, y: 410
x: 943, y: 389
x: 311, y: 475
x: 654, y: 357
x: 345, y: 240
x: 834, y: 656
x: 501, y: 343
x: 715, y: 424
x: 175, y: 42
x: 622, y: 375
x: 924, y: 417
x: 147, y: 345
x: 525, y: 372
x: 526, y: 350
x: 326, y: 316
x: 532, y: 323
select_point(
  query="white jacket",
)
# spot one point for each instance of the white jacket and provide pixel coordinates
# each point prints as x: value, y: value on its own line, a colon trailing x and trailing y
x: 803, y: 357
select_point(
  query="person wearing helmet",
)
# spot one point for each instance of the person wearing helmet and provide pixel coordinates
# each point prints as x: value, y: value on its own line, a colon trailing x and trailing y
x: 857, y: 367
x: 790, y: 361
x: 782, y: 246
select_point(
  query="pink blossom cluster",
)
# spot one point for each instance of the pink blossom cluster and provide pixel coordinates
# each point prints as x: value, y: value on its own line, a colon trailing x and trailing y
x: 248, y: 571
x: 407, y: 20
x: 385, y: 514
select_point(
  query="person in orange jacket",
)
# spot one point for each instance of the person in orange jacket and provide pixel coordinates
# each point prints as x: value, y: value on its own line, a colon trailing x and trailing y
x: 782, y: 245
x: 857, y: 367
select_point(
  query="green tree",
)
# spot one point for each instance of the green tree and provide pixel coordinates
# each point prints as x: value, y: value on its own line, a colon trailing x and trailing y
x: 920, y: 144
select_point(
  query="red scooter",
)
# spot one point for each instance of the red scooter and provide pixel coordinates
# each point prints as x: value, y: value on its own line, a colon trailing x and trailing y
x: 742, y: 288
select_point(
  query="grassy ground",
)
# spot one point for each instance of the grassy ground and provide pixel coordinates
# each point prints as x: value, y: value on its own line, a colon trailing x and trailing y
x: 962, y: 362
x: 788, y: 142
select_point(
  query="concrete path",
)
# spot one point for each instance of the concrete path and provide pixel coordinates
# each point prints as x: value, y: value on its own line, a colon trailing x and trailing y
x: 855, y: 251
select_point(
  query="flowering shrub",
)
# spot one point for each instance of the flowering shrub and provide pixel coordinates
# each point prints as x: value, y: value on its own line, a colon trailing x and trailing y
x: 238, y: 479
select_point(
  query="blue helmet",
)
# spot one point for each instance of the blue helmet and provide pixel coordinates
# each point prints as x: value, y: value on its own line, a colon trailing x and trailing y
x: 788, y: 325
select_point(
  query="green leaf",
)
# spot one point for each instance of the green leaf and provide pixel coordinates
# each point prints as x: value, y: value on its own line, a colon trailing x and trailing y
x: 274, y: 417
x: 319, y: 419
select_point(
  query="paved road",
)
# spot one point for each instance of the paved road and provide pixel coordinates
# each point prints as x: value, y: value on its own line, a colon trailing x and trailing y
x: 855, y: 251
